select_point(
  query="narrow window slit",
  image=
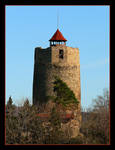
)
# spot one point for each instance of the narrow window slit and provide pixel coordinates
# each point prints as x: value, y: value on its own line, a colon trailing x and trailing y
x: 61, y: 54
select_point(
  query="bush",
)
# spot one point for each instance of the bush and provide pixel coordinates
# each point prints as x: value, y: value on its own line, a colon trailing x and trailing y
x: 23, y: 126
x: 96, y: 126
x: 54, y: 133
x: 64, y: 94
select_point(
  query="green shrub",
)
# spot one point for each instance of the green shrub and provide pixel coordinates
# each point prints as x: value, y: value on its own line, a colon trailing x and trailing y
x: 64, y: 94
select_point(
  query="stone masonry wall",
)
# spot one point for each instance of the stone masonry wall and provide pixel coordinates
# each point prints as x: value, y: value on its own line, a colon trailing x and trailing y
x: 47, y: 64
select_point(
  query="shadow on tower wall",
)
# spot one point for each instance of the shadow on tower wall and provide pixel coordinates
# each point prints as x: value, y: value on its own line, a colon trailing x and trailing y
x: 41, y: 61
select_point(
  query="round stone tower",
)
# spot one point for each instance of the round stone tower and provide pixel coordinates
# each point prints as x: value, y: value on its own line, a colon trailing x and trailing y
x: 56, y: 60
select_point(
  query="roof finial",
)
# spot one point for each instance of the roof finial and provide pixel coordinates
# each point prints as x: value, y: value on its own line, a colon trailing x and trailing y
x: 58, y: 19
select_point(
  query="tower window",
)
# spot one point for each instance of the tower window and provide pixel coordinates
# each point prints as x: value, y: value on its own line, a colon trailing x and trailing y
x: 61, y: 53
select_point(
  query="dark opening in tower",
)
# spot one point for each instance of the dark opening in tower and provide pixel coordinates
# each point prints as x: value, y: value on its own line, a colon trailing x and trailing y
x: 61, y: 53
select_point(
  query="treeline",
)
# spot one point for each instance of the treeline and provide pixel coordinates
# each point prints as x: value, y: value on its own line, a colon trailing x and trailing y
x: 23, y: 126
x: 96, y: 121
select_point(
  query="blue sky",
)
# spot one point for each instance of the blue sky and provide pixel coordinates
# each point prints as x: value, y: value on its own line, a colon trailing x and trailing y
x: 85, y: 27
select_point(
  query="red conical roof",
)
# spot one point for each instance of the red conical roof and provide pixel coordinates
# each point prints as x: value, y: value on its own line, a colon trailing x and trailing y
x: 57, y: 36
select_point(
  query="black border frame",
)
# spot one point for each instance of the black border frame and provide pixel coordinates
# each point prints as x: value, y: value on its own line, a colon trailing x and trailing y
x: 3, y: 72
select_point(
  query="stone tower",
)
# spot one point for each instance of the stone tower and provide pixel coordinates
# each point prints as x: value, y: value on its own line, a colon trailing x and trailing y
x: 64, y: 62
x: 56, y: 60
